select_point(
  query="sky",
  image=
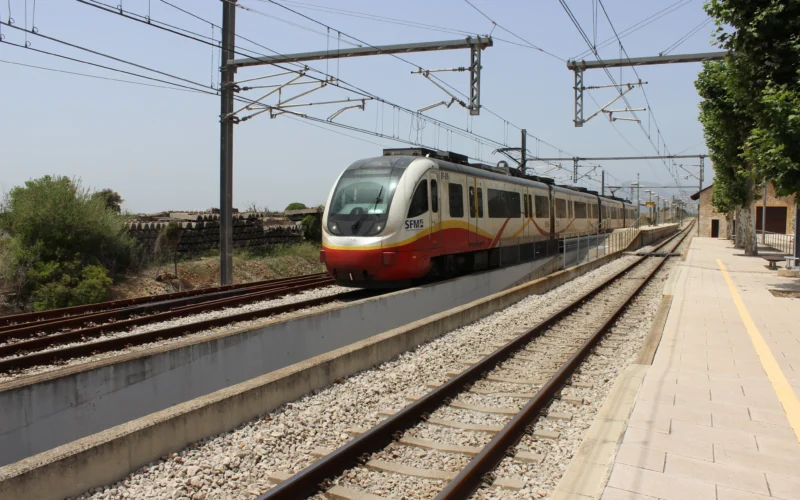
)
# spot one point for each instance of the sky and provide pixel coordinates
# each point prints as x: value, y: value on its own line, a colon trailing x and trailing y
x: 159, y: 147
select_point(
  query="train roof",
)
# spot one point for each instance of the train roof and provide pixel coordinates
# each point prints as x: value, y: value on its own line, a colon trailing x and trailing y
x: 460, y: 163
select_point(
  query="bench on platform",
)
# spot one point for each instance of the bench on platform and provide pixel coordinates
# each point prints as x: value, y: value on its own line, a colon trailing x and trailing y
x: 773, y: 260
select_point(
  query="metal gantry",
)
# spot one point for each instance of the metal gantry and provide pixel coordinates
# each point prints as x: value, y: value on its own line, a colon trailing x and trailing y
x: 579, y: 67
x: 230, y: 116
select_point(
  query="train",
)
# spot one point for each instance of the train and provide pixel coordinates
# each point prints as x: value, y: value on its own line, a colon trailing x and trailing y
x: 414, y: 213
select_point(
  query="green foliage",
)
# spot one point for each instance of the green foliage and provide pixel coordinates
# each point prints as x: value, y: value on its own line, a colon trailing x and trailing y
x: 56, y: 284
x: 59, y: 220
x: 764, y: 83
x: 112, y: 199
x: 312, y: 228
x: 725, y: 125
x: 66, y: 242
x: 296, y: 206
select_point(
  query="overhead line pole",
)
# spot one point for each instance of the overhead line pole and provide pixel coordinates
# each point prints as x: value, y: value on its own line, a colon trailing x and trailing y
x: 226, y: 145
x: 228, y: 115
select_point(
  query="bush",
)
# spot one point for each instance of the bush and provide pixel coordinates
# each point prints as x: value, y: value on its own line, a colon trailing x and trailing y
x: 312, y: 228
x: 54, y: 284
x: 66, y: 243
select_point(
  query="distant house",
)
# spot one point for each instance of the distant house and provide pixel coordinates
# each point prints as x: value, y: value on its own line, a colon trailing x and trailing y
x: 780, y: 214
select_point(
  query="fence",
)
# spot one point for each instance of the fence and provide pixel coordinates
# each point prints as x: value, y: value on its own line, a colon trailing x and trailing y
x: 780, y: 242
x: 577, y: 248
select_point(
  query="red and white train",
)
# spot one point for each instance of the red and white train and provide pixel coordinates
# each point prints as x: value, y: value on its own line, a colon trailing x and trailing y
x: 415, y: 212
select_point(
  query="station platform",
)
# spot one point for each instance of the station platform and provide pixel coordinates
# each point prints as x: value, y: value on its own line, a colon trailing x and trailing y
x: 717, y: 415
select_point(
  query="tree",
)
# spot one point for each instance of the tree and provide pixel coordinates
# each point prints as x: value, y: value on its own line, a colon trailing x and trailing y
x: 726, y: 124
x: 751, y: 108
x: 296, y: 206
x: 765, y: 44
x: 112, y: 199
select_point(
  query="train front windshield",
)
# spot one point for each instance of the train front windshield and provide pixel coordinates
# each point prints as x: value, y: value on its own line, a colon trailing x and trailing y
x: 361, y: 201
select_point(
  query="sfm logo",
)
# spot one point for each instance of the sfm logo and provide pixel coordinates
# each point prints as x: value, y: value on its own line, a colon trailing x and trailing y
x: 414, y: 224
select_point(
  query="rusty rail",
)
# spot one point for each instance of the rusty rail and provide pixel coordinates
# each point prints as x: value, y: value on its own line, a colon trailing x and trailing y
x: 116, y: 315
x: 21, y: 319
x: 121, y: 342
x: 314, y: 477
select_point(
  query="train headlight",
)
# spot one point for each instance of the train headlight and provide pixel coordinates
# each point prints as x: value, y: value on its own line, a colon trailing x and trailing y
x: 376, y: 228
x: 333, y: 227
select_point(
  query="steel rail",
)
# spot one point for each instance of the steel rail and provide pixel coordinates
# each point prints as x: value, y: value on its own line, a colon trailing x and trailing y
x: 471, y: 477
x: 46, y: 341
x: 116, y: 343
x: 31, y: 317
x: 316, y: 476
x: 117, y: 319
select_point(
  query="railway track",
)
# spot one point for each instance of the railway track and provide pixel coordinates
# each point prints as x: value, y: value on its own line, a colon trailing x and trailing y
x: 514, y: 383
x: 33, y: 339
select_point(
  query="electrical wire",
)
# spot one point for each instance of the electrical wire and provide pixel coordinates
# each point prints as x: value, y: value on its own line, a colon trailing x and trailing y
x: 101, y: 54
x: 100, y: 77
x: 636, y: 27
x: 512, y: 33
x: 685, y: 37
x: 107, y: 67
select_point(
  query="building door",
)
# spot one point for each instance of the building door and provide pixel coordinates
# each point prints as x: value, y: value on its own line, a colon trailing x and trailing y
x: 776, y: 219
x: 715, y: 228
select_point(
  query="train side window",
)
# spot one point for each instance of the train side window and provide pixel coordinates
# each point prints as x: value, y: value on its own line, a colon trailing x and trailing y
x: 480, y: 202
x: 571, y: 212
x: 419, y: 202
x: 542, y: 206
x: 456, y: 194
x: 525, y: 205
x: 561, y: 208
x: 434, y: 196
x: 580, y: 210
x: 530, y: 205
x: 472, y: 202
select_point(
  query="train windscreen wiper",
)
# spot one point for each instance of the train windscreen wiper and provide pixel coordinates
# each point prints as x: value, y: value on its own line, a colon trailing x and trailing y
x: 355, y: 224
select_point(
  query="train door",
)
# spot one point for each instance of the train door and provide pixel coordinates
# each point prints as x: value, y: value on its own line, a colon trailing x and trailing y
x: 434, y: 224
x: 472, y: 194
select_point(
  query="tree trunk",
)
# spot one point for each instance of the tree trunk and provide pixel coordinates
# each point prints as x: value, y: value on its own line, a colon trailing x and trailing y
x: 728, y: 225
x: 749, y: 221
x: 738, y: 240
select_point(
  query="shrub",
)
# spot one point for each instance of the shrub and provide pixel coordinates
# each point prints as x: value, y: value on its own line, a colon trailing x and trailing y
x: 312, y: 228
x: 55, y: 284
x: 66, y: 243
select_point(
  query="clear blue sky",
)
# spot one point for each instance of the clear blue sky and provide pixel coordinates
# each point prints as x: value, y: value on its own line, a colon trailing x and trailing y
x: 160, y: 148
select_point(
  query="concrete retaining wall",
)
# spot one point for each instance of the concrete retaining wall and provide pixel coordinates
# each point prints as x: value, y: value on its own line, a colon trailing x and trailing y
x: 109, y: 455
x: 48, y: 410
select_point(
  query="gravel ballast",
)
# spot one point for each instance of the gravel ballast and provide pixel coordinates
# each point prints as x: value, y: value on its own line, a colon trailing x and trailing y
x: 237, y: 464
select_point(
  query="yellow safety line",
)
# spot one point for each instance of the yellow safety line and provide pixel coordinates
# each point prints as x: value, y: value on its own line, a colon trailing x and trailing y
x: 783, y: 389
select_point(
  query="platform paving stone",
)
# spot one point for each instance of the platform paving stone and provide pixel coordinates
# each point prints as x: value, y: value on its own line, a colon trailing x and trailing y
x: 707, y: 422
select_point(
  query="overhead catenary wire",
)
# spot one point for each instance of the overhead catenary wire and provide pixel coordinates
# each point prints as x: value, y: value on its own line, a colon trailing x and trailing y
x: 593, y: 49
x: 101, y: 77
x: 512, y: 33
x: 62, y: 56
x: 636, y: 27
x: 685, y: 37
